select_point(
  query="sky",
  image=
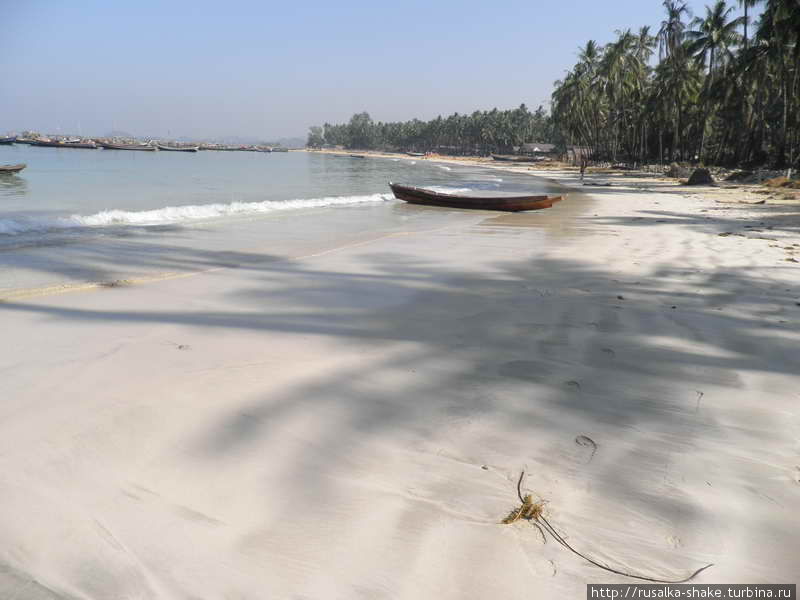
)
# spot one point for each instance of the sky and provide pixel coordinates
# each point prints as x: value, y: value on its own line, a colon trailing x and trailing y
x: 266, y: 69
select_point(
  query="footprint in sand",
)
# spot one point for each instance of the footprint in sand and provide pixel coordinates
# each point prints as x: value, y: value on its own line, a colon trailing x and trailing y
x: 587, y: 442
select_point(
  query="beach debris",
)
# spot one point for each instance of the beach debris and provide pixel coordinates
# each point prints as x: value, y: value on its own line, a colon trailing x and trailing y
x: 620, y: 297
x: 587, y: 442
x: 678, y: 171
x: 527, y: 511
x: 782, y: 182
x: 699, y: 397
x: 179, y: 346
x: 533, y: 512
x: 701, y: 177
x: 115, y: 283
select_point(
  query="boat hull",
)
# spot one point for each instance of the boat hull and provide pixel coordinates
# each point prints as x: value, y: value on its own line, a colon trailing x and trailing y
x: 516, y: 159
x: 137, y: 147
x: 12, y: 168
x: 64, y: 145
x: 171, y: 149
x: 415, y: 195
x: 7, y: 141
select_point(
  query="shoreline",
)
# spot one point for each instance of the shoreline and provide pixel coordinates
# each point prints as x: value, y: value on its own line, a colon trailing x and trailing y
x: 353, y: 418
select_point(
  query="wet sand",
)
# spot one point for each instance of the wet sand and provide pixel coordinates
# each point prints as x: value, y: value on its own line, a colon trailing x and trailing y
x: 350, y: 421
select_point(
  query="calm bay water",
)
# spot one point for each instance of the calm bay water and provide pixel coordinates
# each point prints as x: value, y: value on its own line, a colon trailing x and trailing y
x: 65, y: 182
x: 93, y: 215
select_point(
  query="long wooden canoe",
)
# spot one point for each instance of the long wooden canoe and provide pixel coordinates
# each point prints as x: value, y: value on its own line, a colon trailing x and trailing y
x: 416, y: 195
x: 51, y: 144
x: 12, y: 168
x: 515, y: 158
x: 178, y: 148
x: 142, y: 147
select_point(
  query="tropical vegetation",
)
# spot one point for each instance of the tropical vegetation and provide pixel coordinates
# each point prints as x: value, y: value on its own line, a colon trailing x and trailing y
x: 716, y: 89
x: 479, y: 133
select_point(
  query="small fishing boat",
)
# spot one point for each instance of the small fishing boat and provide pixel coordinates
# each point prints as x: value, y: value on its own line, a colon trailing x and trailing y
x: 142, y: 147
x: 7, y: 140
x: 12, y: 168
x: 279, y: 149
x: 357, y: 156
x: 514, y: 158
x: 416, y: 195
x: 62, y: 144
x: 416, y: 154
x: 178, y: 148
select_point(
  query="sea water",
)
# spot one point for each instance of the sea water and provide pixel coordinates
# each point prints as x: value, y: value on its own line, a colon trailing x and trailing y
x: 76, y: 215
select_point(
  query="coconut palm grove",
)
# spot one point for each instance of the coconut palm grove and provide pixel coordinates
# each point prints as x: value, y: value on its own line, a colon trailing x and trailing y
x: 715, y: 88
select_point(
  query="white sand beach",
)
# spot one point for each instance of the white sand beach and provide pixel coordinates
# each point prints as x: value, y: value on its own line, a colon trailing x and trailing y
x: 350, y: 419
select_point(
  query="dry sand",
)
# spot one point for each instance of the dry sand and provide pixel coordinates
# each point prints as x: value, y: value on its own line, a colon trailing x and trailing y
x: 352, y: 423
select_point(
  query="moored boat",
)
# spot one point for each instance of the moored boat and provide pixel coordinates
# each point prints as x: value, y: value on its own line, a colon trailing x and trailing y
x: 357, y: 156
x: 416, y: 154
x: 61, y: 144
x: 142, y: 147
x: 12, y: 168
x: 515, y: 158
x: 7, y: 140
x: 178, y: 148
x: 416, y: 195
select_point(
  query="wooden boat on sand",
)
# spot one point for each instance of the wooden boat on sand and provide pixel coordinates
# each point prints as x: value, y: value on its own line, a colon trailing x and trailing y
x: 12, y: 168
x: 416, y: 195
x: 142, y: 147
x: 514, y: 158
x: 178, y: 148
x: 416, y: 154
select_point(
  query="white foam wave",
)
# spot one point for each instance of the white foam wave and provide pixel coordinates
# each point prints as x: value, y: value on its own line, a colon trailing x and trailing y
x: 173, y: 214
x: 443, y: 168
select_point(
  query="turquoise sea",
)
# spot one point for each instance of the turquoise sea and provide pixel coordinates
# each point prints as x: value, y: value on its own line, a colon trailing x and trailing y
x: 77, y: 215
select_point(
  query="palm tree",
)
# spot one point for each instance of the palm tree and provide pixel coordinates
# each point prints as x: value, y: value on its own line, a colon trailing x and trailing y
x: 712, y: 38
x: 747, y: 4
x: 670, y: 36
x: 714, y: 34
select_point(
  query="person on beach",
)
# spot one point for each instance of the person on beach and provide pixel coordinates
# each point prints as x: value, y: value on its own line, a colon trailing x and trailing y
x: 583, y: 166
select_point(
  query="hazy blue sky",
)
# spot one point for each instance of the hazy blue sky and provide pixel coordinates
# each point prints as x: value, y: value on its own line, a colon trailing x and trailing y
x: 268, y: 69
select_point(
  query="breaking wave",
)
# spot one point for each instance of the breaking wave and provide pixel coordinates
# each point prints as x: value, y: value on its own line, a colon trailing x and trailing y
x: 171, y: 215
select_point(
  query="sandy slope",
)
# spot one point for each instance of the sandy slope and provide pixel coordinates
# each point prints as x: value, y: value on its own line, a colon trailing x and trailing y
x: 352, y: 424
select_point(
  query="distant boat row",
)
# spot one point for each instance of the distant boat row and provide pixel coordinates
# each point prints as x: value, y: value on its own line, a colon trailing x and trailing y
x: 149, y: 147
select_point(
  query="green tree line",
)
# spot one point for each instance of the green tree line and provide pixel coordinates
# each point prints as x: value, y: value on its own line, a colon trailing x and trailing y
x: 711, y: 88
x: 712, y: 93
x: 481, y: 132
